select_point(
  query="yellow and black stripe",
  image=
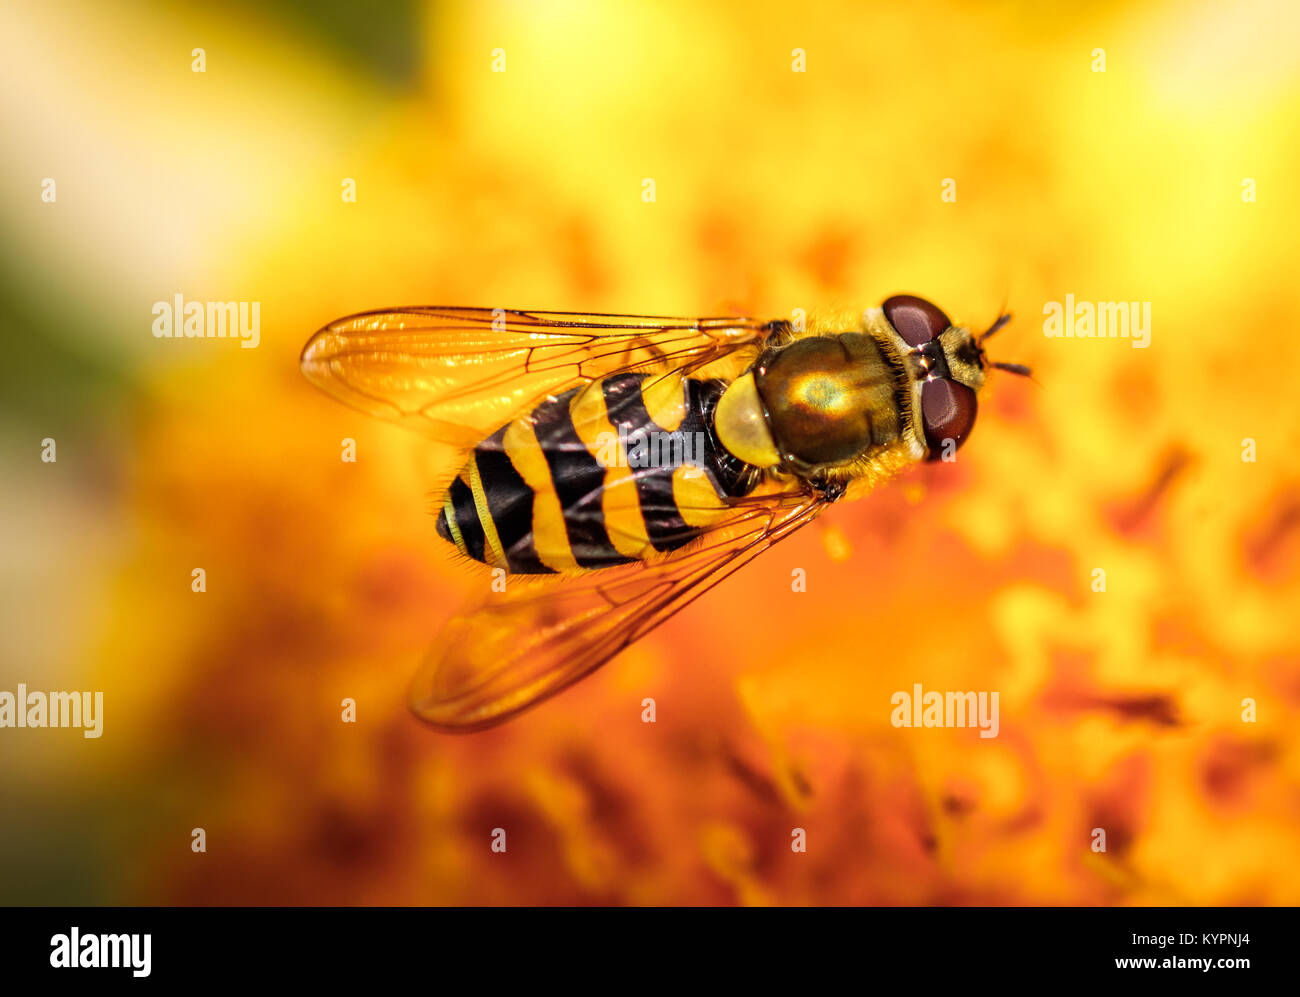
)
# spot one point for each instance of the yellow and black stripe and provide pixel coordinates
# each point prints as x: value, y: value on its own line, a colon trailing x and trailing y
x: 488, y: 511
x: 534, y: 497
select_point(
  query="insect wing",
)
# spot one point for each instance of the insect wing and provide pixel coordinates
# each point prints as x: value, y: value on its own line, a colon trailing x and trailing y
x: 457, y: 374
x: 532, y: 641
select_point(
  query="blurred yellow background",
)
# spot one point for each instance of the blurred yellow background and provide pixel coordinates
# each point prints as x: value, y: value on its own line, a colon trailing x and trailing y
x: 774, y: 190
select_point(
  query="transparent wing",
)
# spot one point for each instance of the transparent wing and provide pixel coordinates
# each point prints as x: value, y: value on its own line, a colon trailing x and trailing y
x: 532, y: 641
x: 456, y: 374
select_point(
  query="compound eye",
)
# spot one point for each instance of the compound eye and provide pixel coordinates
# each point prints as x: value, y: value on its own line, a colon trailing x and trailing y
x: 915, y: 319
x: 948, y: 412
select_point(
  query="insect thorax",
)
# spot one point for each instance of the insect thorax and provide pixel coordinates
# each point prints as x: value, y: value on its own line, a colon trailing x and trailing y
x: 818, y: 404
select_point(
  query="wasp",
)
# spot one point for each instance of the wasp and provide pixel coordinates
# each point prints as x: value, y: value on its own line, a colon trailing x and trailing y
x: 555, y: 413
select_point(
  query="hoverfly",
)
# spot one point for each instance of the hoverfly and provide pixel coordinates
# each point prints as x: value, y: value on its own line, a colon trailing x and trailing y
x: 548, y: 408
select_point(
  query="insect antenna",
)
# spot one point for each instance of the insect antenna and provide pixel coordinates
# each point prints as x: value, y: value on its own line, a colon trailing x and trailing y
x: 1003, y: 320
x: 1013, y: 368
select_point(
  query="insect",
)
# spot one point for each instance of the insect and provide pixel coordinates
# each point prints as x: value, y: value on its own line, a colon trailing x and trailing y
x: 619, y: 466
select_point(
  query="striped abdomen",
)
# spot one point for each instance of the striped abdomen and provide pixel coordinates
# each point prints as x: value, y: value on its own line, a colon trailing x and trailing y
x: 602, y: 475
